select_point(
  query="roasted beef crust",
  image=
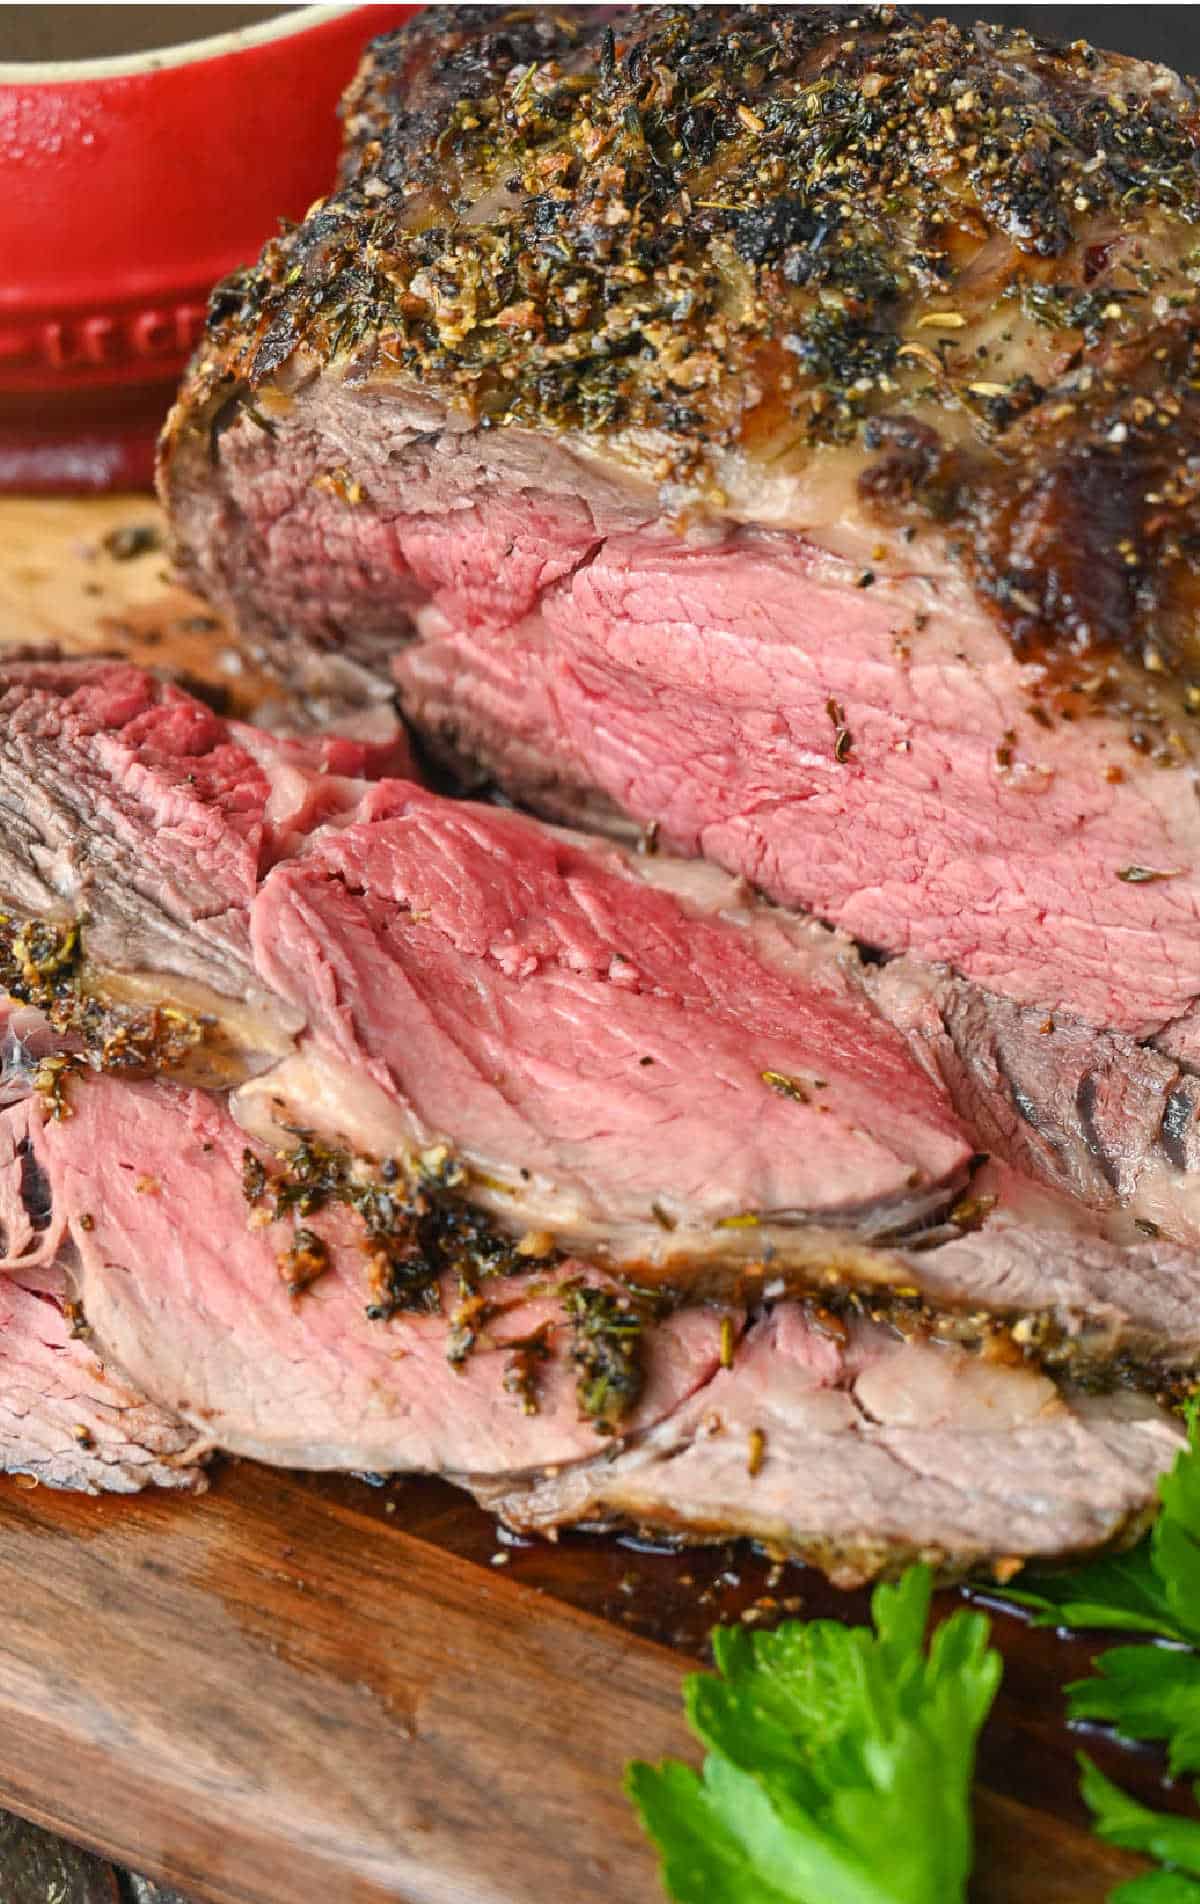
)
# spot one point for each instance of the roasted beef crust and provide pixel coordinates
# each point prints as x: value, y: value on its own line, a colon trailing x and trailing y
x: 950, y: 268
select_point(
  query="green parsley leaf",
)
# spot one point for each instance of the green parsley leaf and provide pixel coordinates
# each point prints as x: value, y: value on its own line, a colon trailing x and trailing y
x: 1175, y: 1842
x: 1157, y: 1887
x: 1146, y: 1692
x: 1119, y: 1591
x: 839, y: 1761
x: 1175, y: 1539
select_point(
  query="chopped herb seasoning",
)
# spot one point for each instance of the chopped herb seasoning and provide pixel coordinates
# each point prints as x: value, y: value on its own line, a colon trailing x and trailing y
x: 42, y: 963
x: 254, y: 1177
x: 607, y: 1353
x: 523, y: 1367
x: 80, y: 1327
x: 971, y: 1212
x: 305, y: 1259
x: 418, y: 1231
x: 416, y: 1228
x: 50, y: 1081
x: 756, y: 1453
x: 794, y: 1088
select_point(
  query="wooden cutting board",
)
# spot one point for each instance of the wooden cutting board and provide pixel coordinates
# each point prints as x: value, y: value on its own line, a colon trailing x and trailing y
x: 309, y: 1690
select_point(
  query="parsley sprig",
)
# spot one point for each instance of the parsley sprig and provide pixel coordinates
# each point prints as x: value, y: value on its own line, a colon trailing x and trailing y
x: 1174, y: 1841
x: 839, y: 1761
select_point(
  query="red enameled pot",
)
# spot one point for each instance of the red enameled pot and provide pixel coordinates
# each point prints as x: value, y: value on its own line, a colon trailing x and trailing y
x: 128, y: 186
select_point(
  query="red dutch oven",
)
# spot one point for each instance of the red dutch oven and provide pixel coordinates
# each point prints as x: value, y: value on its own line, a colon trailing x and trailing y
x: 128, y: 186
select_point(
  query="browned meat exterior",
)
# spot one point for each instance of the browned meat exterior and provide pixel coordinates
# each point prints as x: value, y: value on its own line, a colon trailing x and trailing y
x: 770, y: 428
x: 1109, y: 1122
x: 859, y: 1451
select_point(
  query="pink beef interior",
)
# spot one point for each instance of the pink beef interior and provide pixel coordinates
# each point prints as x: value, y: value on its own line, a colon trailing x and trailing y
x: 189, y: 1297
x: 67, y: 1417
x: 530, y: 998
x: 878, y: 755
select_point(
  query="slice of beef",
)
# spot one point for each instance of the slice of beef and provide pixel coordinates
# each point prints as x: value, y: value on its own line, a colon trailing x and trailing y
x: 860, y: 1451
x: 613, y: 1055
x: 70, y: 1419
x: 779, y: 437
x: 67, y: 1417
x: 127, y: 804
x: 838, y: 1441
x: 449, y: 982
x: 276, y: 1338
x: 132, y: 806
x: 1075, y: 1297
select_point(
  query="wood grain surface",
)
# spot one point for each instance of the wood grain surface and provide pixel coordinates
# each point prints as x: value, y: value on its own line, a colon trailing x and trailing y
x: 309, y: 1690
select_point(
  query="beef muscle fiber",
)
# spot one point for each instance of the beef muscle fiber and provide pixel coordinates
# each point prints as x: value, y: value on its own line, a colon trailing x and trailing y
x: 68, y: 1417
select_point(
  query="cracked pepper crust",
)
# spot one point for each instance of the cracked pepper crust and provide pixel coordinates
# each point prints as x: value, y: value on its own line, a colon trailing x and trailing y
x: 787, y: 263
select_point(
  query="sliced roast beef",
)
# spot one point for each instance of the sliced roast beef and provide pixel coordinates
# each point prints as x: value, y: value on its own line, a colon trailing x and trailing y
x: 860, y: 1451
x: 777, y: 436
x: 613, y: 1059
x: 129, y: 803
x: 291, y: 1340
x: 603, y: 1053
x: 70, y: 1419
x: 67, y: 1417
x: 354, y: 1246
x: 838, y: 1441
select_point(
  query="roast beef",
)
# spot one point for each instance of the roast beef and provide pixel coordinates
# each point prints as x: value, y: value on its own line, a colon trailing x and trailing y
x: 859, y: 1451
x: 277, y: 1349
x: 67, y: 1418
x: 767, y: 428
x: 839, y: 1442
x: 587, y: 1050
x: 616, y: 1050
x: 1109, y: 1122
x: 330, y: 1126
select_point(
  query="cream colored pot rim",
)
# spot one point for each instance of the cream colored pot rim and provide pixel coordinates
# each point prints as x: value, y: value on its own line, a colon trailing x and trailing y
x: 154, y: 59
